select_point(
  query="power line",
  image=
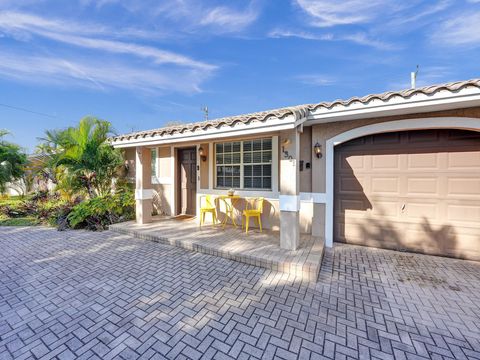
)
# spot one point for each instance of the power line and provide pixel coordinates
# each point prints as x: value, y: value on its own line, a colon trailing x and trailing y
x: 27, y: 110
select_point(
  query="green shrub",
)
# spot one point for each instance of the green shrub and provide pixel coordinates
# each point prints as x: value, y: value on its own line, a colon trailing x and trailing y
x: 14, y: 208
x: 38, y: 207
x: 99, y: 212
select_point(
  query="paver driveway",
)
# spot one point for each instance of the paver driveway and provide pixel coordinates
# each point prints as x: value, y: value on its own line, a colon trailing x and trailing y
x: 104, y: 295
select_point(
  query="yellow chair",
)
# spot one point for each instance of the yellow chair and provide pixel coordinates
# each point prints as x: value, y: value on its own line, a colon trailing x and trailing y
x: 254, y: 208
x: 207, y: 207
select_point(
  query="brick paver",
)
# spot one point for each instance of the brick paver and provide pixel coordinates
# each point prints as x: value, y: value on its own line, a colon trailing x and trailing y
x: 103, y: 295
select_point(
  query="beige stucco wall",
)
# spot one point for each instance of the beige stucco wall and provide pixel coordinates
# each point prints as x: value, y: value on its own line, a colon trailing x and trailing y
x: 162, y: 199
x: 164, y: 162
x: 129, y: 156
x: 204, y: 175
x: 306, y: 157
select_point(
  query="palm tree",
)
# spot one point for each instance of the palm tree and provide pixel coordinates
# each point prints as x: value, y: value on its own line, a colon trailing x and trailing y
x: 12, y: 162
x: 82, y: 155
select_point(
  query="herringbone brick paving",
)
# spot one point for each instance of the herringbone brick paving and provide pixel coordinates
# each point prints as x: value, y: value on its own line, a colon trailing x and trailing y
x: 103, y: 295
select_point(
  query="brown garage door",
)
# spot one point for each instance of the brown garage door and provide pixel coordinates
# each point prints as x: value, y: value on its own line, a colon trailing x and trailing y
x: 413, y: 190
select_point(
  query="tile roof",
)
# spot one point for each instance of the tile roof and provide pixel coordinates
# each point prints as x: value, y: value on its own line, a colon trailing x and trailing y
x: 300, y: 110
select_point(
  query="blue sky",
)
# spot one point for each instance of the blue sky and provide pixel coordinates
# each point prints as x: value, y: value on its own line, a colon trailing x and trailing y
x: 142, y: 64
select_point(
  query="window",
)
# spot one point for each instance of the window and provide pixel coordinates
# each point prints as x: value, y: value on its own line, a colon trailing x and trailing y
x: 154, y: 163
x: 244, y: 164
x: 229, y: 158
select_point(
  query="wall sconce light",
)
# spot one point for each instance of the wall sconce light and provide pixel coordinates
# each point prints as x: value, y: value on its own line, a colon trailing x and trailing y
x: 317, y: 149
x: 202, y: 153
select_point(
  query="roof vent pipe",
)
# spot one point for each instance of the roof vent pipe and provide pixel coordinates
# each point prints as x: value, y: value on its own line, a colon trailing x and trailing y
x: 413, y: 78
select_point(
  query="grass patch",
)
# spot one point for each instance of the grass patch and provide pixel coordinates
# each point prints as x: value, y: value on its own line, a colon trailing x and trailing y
x: 20, y: 221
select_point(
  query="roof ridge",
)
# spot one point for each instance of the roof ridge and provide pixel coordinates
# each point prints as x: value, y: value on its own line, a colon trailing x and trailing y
x: 280, y: 113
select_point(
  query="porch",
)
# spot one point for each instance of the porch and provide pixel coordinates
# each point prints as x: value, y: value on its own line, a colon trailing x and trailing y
x: 254, y: 248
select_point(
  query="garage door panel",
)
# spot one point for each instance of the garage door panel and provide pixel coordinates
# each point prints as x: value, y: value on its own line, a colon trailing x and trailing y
x: 352, y: 204
x: 418, y: 191
x: 463, y: 213
x: 426, y: 161
x: 469, y: 160
x: 386, y: 138
x: 385, y: 161
x: 385, y: 185
x: 350, y: 184
x: 463, y: 186
x: 418, y: 211
x: 385, y: 209
x: 423, y: 138
x: 349, y: 162
x: 423, y: 186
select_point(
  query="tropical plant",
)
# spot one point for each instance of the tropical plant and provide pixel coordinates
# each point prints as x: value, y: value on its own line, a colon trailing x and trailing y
x: 99, y: 212
x: 12, y: 161
x: 80, y: 158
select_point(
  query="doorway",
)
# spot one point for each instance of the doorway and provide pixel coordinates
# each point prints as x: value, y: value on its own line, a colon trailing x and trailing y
x: 187, y: 180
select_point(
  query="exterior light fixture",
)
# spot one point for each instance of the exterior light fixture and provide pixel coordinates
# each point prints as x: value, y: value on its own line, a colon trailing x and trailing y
x: 317, y: 149
x: 202, y: 153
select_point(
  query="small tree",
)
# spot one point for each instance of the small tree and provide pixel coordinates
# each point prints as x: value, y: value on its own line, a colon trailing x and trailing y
x: 81, y: 158
x: 12, y: 162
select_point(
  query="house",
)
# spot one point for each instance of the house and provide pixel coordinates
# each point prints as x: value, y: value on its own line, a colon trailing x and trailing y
x: 397, y: 170
x: 33, y: 180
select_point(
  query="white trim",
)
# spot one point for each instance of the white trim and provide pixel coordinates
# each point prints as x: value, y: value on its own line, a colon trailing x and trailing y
x: 211, y: 165
x: 143, y: 194
x: 197, y: 169
x: 240, y: 129
x: 243, y: 193
x: 156, y: 169
x: 397, y: 105
x: 315, y: 198
x: 390, y: 126
x: 173, y: 206
x: 289, y: 202
x: 275, y: 164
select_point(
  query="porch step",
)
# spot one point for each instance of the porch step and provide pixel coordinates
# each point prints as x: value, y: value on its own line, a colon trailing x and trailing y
x: 256, y: 249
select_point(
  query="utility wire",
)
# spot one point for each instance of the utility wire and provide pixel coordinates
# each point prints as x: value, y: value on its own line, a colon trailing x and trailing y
x: 26, y: 110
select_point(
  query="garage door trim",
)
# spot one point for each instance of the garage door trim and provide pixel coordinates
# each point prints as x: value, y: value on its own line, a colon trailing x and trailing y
x: 460, y: 123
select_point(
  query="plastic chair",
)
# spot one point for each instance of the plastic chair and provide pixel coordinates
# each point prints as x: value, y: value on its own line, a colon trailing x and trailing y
x: 207, y: 207
x: 254, y: 208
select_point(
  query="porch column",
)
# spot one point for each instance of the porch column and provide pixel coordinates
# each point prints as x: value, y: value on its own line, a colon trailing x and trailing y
x: 289, y: 190
x: 143, y: 188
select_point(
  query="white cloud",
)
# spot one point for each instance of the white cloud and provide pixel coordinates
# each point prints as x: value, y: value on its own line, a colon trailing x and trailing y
x: 97, y: 74
x: 420, y: 14
x: 229, y: 19
x: 281, y: 33
x: 315, y: 79
x: 325, y: 13
x: 358, y: 38
x: 144, y: 67
x: 22, y: 23
x: 460, y: 30
x: 387, y: 15
x: 192, y: 15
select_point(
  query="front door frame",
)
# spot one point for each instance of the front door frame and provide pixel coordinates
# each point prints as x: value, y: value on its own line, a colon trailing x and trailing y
x: 178, y: 181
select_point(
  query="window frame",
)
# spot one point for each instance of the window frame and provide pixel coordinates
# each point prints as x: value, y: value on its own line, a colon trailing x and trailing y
x: 242, y: 164
x: 155, y: 170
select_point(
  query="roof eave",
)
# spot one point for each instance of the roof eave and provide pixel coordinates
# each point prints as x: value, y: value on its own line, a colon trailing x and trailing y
x: 418, y: 103
x: 240, y: 129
